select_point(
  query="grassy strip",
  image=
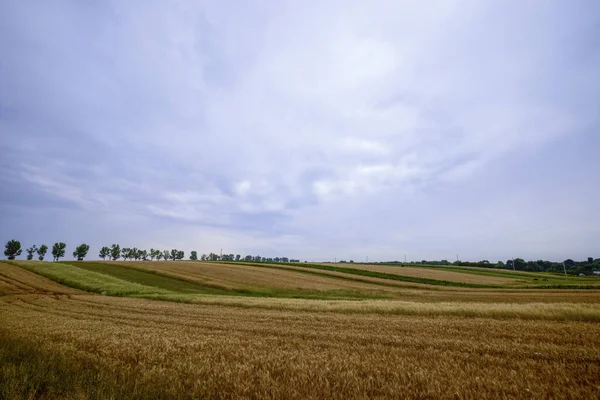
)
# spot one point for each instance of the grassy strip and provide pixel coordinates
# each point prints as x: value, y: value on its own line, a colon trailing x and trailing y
x: 145, y: 277
x: 394, y: 277
x: 89, y: 281
x: 161, y: 284
x: 558, y: 286
x: 551, y: 278
x: 284, y: 293
x: 497, y: 273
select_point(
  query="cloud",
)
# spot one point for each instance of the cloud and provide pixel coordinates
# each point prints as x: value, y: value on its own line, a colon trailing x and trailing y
x: 339, y: 127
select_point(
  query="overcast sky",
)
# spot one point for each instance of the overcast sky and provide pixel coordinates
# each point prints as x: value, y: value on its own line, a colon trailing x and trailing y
x: 307, y: 129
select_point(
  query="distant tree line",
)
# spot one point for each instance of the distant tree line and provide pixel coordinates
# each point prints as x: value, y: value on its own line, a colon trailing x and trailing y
x: 115, y: 252
x: 518, y: 264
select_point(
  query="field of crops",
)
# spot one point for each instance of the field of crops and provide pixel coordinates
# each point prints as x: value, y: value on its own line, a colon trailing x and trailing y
x: 431, y: 273
x: 226, y: 334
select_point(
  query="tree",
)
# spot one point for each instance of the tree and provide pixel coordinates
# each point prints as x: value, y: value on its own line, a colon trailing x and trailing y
x: 115, y: 252
x: 13, y: 249
x: 159, y: 255
x: 237, y: 257
x: 194, y: 255
x: 81, y: 251
x: 58, y: 250
x: 153, y: 254
x: 166, y: 255
x: 126, y: 253
x: 203, y: 257
x: 30, y: 251
x: 180, y: 255
x: 143, y: 255
x: 174, y: 253
x: 42, y: 252
x: 104, y: 252
x: 520, y: 264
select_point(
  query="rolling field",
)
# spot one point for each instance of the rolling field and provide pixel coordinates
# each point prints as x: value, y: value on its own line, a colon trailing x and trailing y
x: 227, y: 334
x: 430, y: 273
x: 239, y: 276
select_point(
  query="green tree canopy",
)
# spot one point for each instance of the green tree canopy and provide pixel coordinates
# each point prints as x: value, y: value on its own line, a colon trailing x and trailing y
x: 104, y: 252
x: 58, y: 250
x: 30, y: 251
x: 42, y: 252
x: 81, y: 251
x: 12, y: 249
x: 115, y: 252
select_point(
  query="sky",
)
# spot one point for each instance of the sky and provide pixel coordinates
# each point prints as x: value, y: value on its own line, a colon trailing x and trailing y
x: 316, y: 130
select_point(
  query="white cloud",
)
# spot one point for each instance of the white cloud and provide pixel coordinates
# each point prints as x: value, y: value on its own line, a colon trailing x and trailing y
x: 283, y: 116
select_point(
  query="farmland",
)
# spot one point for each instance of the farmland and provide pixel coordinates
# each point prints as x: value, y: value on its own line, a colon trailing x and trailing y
x: 96, y: 330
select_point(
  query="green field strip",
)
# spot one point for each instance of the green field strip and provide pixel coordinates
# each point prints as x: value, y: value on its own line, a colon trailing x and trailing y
x: 89, y: 281
x: 174, y: 284
x: 528, y: 277
x: 146, y: 278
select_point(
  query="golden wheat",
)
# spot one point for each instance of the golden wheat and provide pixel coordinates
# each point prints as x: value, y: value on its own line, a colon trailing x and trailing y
x: 218, y: 351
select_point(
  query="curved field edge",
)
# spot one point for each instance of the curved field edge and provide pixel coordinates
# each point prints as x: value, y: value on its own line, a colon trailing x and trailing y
x: 535, y: 278
x: 151, y: 268
x: 78, y: 278
x: 248, y: 291
x: 16, y: 280
x: 388, y: 276
x: 433, y: 282
x: 106, y: 279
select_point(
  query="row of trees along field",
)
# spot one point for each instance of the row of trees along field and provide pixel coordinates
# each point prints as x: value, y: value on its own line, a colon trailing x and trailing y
x: 115, y: 252
x: 571, y: 267
x: 12, y: 249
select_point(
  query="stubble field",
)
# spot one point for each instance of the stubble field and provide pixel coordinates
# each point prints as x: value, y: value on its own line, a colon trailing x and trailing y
x: 227, y: 336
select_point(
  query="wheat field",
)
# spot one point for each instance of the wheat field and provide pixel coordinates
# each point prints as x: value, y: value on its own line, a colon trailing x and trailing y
x: 58, y: 342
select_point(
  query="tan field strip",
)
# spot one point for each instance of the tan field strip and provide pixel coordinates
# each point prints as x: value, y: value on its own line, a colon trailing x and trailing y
x: 18, y: 280
x: 378, y: 281
x: 239, y: 276
x: 171, y: 350
x: 432, y: 274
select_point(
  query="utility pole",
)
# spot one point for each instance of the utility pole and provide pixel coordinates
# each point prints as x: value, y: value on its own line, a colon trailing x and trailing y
x: 334, y: 259
x: 514, y: 264
x: 564, y: 268
x: 457, y: 257
x: 405, y: 259
x: 367, y: 259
